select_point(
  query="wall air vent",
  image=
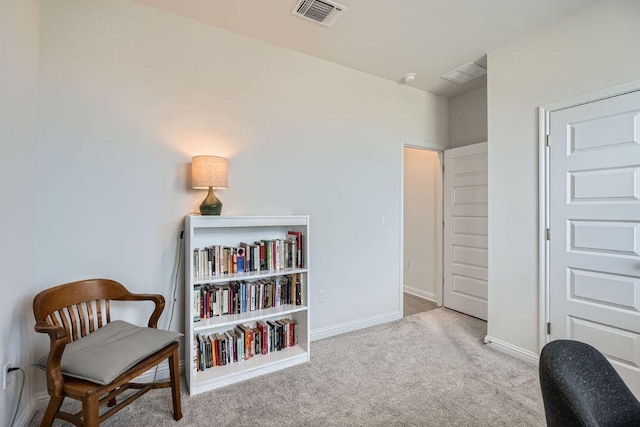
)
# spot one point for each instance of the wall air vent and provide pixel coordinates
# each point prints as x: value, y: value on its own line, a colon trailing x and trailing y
x: 465, y: 73
x: 323, y: 12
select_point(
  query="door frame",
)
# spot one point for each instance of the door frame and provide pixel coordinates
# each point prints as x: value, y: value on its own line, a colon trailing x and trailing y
x: 427, y: 146
x: 544, y: 113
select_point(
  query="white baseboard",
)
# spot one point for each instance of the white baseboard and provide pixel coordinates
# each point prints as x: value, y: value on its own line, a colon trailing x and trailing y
x: 512, y: 350
x: 318, y: 334
x: 40, y: 400
x: 420, y: 293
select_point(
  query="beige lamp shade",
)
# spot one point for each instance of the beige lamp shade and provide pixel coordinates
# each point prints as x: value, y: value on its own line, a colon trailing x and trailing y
x: 209, y: 171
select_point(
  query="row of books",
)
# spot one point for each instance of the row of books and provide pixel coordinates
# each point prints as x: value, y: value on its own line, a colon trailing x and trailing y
x: 243, y: 342
x: 211, y: 300
x: 263, y: 255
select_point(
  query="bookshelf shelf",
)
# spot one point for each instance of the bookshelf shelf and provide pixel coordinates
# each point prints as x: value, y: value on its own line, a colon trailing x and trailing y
x: 290, y: 308
x: 247, y: 275
x: 248, y: 317
x: 258, y: 365
x: 257, y: 362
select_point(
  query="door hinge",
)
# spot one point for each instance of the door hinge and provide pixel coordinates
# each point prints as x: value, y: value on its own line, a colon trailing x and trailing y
x: 548, y: 234
x: 546, y: 138
x: 548, y: 328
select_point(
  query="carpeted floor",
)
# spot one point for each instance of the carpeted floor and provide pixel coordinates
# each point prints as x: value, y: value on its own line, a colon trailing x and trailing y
x: 429, y: 369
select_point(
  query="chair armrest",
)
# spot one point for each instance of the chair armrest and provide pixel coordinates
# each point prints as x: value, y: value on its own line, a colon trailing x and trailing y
x: 156, y: 298
x: 57, y: 342
x: 54, y: 331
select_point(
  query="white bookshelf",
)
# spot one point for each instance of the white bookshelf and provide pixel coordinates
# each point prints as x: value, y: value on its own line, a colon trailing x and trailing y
x: 204, y: 231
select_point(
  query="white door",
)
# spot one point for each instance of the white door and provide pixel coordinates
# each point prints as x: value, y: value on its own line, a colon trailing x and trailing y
x: 465, y: 230
x: 594, y: 221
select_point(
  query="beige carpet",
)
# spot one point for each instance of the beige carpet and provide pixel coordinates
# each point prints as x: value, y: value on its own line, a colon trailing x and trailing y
x: 430, y: 369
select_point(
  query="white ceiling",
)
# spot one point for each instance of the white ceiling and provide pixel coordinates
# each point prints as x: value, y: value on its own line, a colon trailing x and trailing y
x: 387, y: 38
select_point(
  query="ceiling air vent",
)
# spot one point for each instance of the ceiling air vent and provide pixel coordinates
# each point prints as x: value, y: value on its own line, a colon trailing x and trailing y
x: 465, y: 73
x: 320, y: 11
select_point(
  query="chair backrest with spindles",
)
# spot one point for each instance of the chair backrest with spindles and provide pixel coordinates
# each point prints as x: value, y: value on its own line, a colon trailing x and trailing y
x: 80, y: 307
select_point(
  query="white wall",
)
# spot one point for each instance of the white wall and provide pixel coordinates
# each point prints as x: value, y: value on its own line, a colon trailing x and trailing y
x: 468, y: 118
x: 128, y: 94
x: 421, y: 204
x: 593, y: 49
x: 18, y: 112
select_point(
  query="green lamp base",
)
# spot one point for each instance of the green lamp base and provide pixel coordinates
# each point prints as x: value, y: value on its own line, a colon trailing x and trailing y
x: 211, y: 204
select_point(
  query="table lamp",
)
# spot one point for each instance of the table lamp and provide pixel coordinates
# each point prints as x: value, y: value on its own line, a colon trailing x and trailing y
x: 209, y: 172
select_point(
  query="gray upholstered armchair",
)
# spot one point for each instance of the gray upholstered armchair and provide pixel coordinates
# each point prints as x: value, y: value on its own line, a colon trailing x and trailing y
x: 581, y: 388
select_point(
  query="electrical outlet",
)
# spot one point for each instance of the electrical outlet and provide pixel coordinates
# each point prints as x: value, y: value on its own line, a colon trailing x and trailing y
x: 321, y: 295
x: 406, y: 264
x: 6, y: 379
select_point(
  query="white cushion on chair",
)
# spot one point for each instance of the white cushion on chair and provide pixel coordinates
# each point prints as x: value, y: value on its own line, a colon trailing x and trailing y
x: 109, y: 351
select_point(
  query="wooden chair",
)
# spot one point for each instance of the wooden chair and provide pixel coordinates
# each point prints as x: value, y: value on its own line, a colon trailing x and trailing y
x: 69, y: 312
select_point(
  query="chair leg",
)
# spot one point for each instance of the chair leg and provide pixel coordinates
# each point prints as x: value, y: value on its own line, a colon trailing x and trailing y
x: 52, y: 409
x: 174, y: 372
x: 90, y: 411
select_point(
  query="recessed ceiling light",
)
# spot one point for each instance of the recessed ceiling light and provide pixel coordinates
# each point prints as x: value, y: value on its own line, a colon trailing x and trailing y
x: 465, y: 73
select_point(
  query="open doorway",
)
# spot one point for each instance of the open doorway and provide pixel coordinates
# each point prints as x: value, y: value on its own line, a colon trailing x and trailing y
x: 422, y: 231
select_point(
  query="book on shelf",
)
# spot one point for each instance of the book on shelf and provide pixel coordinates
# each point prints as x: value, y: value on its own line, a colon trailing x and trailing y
x: 241, y: 296
x: 247, y: 341
x: 240, y: 343
x: 196, y: 353
x: 234, y: 260
x: 262, y: 255
x: 228, y: 340
x: 255, y: 343
x: 255, y: 257
x: 267, y: 255
x: 225, y: 261
x: 201, y: 353
x: 293, y: 289
x: 283, y: 333
x: 243, y: 342
x: 297, y: 236
x: 197, y: 296
x: 264, y: 330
